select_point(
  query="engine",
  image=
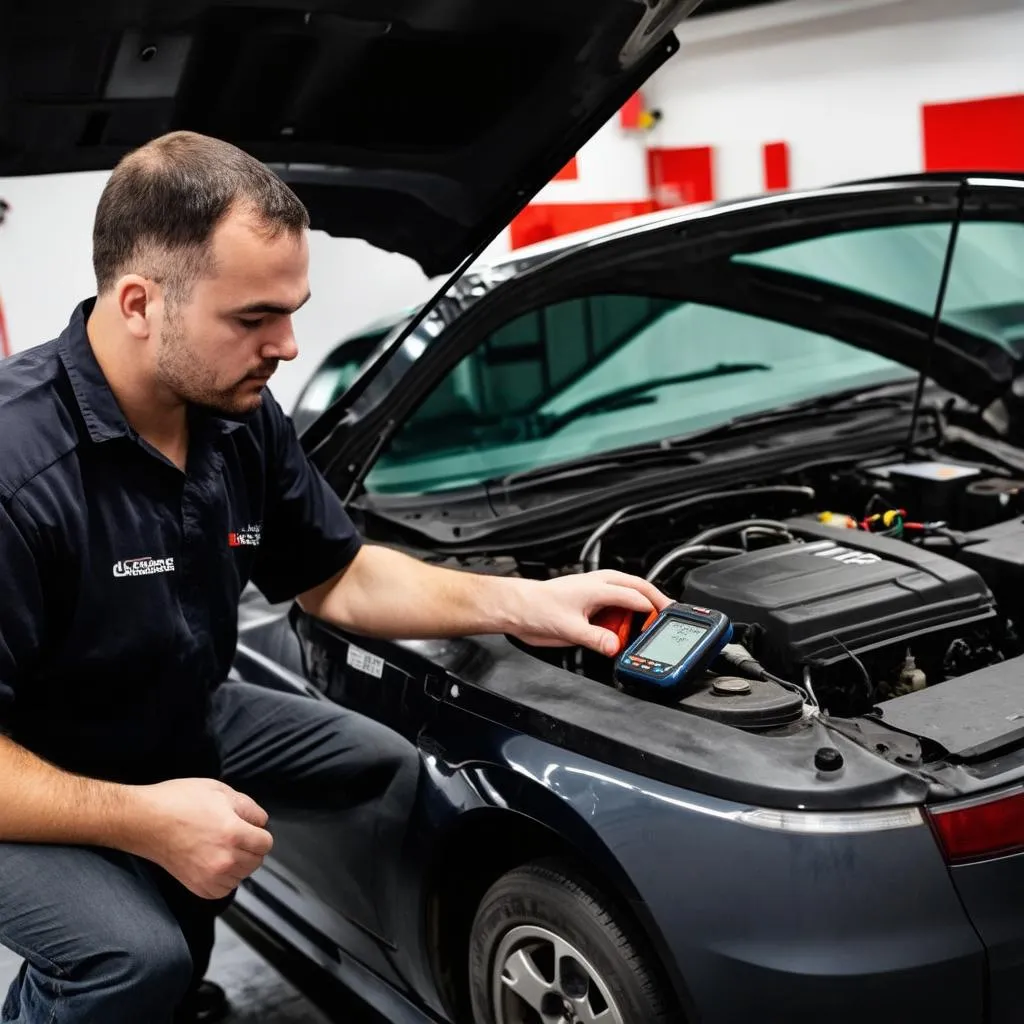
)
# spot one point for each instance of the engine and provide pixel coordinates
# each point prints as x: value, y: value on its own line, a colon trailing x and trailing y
x: 863, y: 616
x: 919, y: 578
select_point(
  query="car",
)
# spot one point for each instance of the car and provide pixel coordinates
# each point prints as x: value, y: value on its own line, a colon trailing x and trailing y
x: 800, y: 415
x: 755, y: 405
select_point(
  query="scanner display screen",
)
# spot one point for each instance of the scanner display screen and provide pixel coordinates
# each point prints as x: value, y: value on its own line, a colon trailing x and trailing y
x: 673, y: 642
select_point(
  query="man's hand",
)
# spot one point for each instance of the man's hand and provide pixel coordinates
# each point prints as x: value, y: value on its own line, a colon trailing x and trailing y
x: 558, y: 612
x: 206, y: 834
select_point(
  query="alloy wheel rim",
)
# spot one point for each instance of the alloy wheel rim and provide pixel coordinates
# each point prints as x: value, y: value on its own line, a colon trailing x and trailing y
x: 540, y: 978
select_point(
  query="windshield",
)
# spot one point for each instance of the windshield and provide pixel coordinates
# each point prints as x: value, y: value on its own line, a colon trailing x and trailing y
x: 530, y: 395
x: 589, y: 375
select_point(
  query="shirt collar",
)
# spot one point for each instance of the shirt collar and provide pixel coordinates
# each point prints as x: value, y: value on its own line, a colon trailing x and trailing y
x: 103, y: 416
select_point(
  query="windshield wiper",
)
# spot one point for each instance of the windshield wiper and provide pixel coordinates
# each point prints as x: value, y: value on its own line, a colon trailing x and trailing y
x: 680, y: 449
x: 849, y: 400
x: 638, y: 394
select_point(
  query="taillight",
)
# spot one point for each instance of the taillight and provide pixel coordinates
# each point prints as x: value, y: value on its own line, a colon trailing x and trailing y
x: 981, y: 828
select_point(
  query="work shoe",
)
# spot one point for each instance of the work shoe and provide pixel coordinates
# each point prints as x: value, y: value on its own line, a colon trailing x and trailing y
x: 207, y: 1004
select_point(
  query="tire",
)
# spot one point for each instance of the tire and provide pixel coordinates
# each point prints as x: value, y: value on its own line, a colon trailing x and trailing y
x: 537, y: 911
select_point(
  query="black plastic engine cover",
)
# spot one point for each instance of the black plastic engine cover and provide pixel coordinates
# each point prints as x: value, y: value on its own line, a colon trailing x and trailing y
x: 871, y: 592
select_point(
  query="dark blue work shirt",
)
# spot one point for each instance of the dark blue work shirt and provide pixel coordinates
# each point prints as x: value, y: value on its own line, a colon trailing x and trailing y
x: 120, y: 575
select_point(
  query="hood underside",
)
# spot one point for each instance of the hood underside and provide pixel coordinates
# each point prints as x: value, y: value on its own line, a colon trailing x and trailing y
x: 421, y: 126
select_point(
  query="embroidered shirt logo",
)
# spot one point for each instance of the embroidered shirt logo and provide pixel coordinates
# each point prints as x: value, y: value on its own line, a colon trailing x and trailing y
x: 248, y: 537
x: 145, y: 566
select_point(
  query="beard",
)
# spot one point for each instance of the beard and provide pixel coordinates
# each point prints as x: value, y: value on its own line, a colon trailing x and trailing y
x: 181, y: 369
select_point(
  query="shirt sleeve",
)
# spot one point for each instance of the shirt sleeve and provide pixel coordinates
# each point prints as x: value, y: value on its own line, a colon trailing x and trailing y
x: 307, y: 535
x: 21, y: 607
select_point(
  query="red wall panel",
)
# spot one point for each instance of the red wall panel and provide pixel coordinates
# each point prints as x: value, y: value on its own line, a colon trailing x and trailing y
x: 985, y: 134
x: 680, y: 176
x: 631, y: 111
x: 541, y: 221
x: 776, y: 166
x: 570, y: 172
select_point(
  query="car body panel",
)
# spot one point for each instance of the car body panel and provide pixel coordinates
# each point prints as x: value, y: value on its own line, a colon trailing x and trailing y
x: 797, y: 923
x: 992, y: 892
x: 490, y: 678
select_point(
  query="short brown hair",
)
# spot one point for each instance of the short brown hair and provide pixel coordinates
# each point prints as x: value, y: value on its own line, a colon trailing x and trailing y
x: 163, y: 201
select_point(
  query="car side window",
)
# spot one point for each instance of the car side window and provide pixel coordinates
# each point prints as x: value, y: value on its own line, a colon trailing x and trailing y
x: 333, y: 377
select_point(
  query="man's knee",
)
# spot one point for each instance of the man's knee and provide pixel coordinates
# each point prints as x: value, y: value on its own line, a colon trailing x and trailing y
x: 371, y: 763
x: 151, y: 969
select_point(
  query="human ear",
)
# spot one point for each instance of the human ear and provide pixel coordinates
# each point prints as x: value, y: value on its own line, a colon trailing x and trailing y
x: 135, y: 304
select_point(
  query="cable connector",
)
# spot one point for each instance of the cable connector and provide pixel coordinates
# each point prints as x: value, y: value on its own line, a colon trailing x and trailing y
x: 735, y: 659
x: 741, y: 662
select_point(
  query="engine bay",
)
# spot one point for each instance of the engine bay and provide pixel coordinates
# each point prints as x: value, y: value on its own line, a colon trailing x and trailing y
x: 850, y: 586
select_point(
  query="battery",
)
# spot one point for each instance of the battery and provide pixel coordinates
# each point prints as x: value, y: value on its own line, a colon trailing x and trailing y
x: 927, y: 490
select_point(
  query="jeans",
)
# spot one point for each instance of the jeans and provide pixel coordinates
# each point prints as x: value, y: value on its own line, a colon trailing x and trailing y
x: 107, y: 937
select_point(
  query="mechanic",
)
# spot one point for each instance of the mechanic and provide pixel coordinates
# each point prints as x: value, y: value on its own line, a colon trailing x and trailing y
x: 146, y: 475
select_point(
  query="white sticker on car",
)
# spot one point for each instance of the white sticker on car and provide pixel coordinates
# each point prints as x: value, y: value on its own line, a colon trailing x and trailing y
x: 364, y: 661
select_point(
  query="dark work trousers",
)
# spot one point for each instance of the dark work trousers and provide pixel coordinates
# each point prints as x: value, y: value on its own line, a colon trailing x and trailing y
x: 108, y: 938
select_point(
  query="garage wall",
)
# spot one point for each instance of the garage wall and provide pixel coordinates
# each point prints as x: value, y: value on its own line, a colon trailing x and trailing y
x: 842, y: 82
x: 803, y: 93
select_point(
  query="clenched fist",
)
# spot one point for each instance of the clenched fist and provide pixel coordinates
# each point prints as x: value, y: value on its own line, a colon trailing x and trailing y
x: 207, y: 835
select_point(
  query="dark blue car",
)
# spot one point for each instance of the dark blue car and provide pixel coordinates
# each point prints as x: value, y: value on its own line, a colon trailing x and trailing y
x: 726, y: 401
x: 804, y: 412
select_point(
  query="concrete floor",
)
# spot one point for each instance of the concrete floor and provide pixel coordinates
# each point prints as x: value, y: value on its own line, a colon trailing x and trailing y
x: 258, y: 992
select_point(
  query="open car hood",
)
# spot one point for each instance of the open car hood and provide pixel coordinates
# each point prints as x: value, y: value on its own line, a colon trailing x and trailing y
x: 421, y: 126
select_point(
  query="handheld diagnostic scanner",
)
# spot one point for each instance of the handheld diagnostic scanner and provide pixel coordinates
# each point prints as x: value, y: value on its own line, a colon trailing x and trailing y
x: 679, y: 645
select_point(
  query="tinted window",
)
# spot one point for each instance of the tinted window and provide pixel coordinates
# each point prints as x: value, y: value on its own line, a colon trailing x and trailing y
x: 593, y: 374
x: 903, y: 265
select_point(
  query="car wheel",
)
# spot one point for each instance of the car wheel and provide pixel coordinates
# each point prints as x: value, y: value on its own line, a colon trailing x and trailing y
x: 545, y: 949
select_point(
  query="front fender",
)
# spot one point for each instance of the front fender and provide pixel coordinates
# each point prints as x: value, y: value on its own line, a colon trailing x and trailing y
x: 490, y: 775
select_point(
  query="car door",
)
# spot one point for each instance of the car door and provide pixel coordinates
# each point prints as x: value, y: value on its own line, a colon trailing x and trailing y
x: 319, y: 876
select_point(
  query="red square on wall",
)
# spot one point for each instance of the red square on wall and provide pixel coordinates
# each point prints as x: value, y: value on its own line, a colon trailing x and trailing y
x: 776, y: 166
x: 681, y: 176
x: 976, y: 135
x: 541, y: 221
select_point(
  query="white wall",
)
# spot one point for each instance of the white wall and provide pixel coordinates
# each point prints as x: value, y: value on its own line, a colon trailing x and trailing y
x: 842, y: 81
x: 46, y: 269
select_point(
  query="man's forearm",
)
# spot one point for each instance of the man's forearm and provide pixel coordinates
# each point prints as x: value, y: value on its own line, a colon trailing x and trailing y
x: 386, y: 593
x: 39, y: 803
